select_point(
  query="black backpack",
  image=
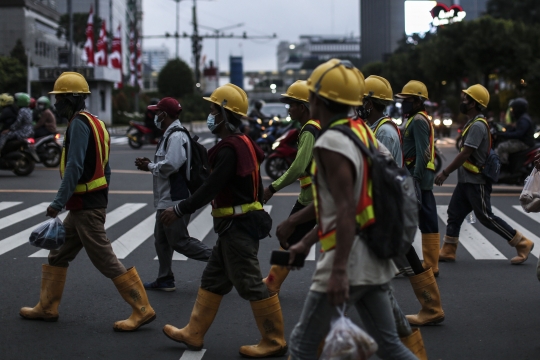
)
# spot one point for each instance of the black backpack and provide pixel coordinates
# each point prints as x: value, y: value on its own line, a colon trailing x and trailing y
x: 394, y: 202
x: 200, y: 167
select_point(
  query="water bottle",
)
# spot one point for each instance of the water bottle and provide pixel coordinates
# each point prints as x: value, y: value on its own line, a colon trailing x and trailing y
x: 471, y: 219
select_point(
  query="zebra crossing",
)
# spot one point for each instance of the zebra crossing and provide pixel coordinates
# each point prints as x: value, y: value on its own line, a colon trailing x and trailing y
x: 472, y: 240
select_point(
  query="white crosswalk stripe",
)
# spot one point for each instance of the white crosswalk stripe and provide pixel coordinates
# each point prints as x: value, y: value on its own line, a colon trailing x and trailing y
x: 7, y: 204
x: 131, y: 240
x: 192, y: 355
x: 417, y: 244
x: 536, y: 250
x: 23, y: 215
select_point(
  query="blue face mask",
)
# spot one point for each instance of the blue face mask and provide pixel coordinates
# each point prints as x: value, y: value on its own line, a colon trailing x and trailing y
x: 211, y: 123
x: 156, y: 122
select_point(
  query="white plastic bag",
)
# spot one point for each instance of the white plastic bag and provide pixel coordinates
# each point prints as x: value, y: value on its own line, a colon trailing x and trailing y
x: 530, y: 196
x: 49, y: 235
x: 346, y: 341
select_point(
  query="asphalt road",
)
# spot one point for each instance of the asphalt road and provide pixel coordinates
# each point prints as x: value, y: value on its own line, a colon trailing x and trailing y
x: 491, y: 306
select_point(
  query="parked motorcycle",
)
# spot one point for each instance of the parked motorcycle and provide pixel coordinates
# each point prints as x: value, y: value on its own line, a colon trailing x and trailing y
x: 138, y: 135
x: 48, y: 149
x: 284, y: 151
x: 18, y: 157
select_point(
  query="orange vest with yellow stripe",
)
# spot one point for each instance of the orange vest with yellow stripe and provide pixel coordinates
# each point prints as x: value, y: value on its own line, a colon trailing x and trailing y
x: 102, y: 148
x: 365, y: 214
x: 305, y: 180
x: 431, y: 163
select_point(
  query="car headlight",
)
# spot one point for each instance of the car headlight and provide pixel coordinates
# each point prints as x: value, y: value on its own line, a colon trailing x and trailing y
x: 259, y: 121
x: 270, y: 122
x: 447, y: 122
x: 275, y: 145
x: 264, y: 136
x: 536, y: 135
x: 288, y: 118
x: 437, y: 122
x: 397, y: 121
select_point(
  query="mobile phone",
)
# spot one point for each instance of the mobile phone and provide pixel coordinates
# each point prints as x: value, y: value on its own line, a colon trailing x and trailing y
x: 282, y: 258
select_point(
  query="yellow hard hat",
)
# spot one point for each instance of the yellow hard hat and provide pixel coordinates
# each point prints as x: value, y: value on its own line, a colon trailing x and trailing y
x: 231, y: 97
x: 6, y: 99
x: 414, y: 88
x: 298, y: 91
x: 70, y: 83
x: 378, y: 87
x: 339, y: 81
x: 479, y: 94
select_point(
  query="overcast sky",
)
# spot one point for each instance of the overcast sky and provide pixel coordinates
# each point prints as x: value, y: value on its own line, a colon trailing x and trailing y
x: 288, y: 19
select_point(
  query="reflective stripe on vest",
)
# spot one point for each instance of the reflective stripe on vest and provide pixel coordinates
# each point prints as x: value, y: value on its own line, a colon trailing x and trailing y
x: 431, y: 163
x: 305, y: 181
x: 365, y: 214
x: 102, y: 147
x: 469, y: 166
x: 244, y: 208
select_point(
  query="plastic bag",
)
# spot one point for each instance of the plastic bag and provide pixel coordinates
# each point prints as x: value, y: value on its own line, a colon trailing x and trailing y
x: 346, y: 341
x: 49, y: 235
x: 530, y: 196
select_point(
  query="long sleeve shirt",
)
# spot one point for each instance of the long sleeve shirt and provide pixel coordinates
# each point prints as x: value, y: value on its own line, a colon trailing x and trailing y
x: 388, y: 135
x: 46, y: 120
x: 523, y: 131
x: 416, y: 145
x: 22, y: 127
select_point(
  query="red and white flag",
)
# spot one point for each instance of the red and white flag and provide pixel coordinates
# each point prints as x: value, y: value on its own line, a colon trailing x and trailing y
x: 132, y: 57
x: 100, y: 57
x: 139, y: 63
x: 88, y: 53
x: 115, y: 58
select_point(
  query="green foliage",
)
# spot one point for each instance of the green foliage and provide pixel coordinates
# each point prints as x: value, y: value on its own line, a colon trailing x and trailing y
x: 18, y: 52
x: 12, y: 75
x: 526, y: 11
x: 176, y: 79
x: 194, y: 108
x: 79, y: 28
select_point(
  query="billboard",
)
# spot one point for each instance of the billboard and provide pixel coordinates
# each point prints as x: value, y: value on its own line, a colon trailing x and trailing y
x: 421, y: 16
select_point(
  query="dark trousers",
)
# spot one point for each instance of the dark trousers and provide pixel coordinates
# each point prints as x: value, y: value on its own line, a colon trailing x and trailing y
x: 234, y: 262
x: 427, y: 216
x: 475, y: 197
x: 301, y: 230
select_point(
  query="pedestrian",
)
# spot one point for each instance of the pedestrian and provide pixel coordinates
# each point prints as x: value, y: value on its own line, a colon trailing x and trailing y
x: 236, y: 191
x: 347, y: 270
x: 170, y: 170
x: 473, y: 190
x: 297, y: 97
x: 46, y: 125
x: 22, y: 128
x: 85, y: 173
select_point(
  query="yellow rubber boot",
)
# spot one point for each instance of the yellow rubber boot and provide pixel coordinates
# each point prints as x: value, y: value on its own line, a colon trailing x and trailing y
x: 449, y: 248
x: 202, y: 316
x: 523, y: 247
x: 276, y: 277
x: 415, y: 344
x: 427, y: 292
x: 53, y: 279
x: 269, y: 320
x: 430, y: 250
x: 129, y: 285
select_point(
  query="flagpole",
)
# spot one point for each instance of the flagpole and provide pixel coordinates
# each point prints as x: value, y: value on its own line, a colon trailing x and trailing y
x: 70, y: 11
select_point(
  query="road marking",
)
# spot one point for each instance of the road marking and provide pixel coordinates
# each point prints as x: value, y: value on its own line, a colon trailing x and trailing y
x: 529, y: 235
x: 417, y: 244
x: 131, y: 240
x: 119, y: 140
x: 22, y: 237
x: 534, y: 216
x: 23, y: 215
x: 112, y: 218
x: 472, y: 240
x: 192, y: 355
x: 7, y: 204
x: 207, y: 141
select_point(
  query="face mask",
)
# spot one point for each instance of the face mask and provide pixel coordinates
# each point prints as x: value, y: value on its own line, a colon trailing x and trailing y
x: 63, y: 108
x: 407, y: 107
x: 41, y: 107
x: 211, y: 123
x: 464, y: 108
x: 364, y: 113
x: 157, y: 122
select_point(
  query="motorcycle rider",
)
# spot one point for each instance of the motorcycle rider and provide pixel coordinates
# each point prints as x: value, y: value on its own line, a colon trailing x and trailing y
x: 8, y: 111
x: 255, y: 128
x: 22, y: 128
x: 520, y: 136
x: 473, y: 191
x: 85, y: 173
x: 297, y: 97
x: 46, y: 124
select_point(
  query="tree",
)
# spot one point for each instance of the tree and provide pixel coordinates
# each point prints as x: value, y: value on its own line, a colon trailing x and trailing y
x: 12, y: 75
x: 176, y: 79
x: 18, y: 52
x: 79, y: 28
x: 526, y: 11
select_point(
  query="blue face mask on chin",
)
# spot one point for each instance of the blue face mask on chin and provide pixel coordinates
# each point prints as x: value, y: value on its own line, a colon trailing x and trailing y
x: 211, y: 123
x: 157, y: 122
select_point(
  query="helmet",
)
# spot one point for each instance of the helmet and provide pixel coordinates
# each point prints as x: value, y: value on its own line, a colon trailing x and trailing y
x: 378, y: 87
x: 153, y: 101
x: 339, y: 81
x: 32, y: 103
x: 230, y: 97
x: 70, y: 83
x: 479, y: 94
x: 22, y: 99
x: 6, y: 99
x: 519, y: 106
x: 298, y: 91
x: 45, y: 101
x: 414, y: 88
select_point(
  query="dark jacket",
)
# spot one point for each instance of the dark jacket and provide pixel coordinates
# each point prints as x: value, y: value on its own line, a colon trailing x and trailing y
x: 524, y: 131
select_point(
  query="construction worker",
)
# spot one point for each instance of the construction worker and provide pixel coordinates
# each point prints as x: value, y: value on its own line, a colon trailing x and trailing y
x: 347, y: 271
x: 473, y: 191
x: 236, y: 191
x: 297, y: 97
x: 419, y: 153
x: 85, y: 173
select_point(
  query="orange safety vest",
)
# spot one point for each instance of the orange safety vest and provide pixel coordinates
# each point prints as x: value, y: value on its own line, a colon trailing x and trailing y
x: 305, y: 181
x: 244, y: 208
x: 469, y: 166
x: 431, y: 163
x: 102, y: 146
x: 365, y: 214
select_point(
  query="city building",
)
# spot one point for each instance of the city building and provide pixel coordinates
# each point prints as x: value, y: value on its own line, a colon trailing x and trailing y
x: 156, y: 57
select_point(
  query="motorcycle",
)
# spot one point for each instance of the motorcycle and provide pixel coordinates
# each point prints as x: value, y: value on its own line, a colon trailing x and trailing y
x: 443, y: 125
x: 284, y: 151
x: 138, y: 135
x: 18, y: 157
x: 274, y: 131
x: 48, y: 149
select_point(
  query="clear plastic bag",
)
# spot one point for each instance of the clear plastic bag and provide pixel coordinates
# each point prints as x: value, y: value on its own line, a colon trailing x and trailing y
x: 530, y: 195
x: 49, y: 235
x: 346, y: 341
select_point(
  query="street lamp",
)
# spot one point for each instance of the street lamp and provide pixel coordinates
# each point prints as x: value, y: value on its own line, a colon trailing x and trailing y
x: 217, y: 31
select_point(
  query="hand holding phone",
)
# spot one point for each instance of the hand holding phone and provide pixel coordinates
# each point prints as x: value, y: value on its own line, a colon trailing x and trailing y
x: 282, y: 258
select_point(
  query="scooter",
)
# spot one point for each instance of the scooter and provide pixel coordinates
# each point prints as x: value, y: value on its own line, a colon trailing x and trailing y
x: 138, y: 135
x: 48, y: 149
x: 268, y: 138
x: 284, y: 151
x: 18, y: 157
